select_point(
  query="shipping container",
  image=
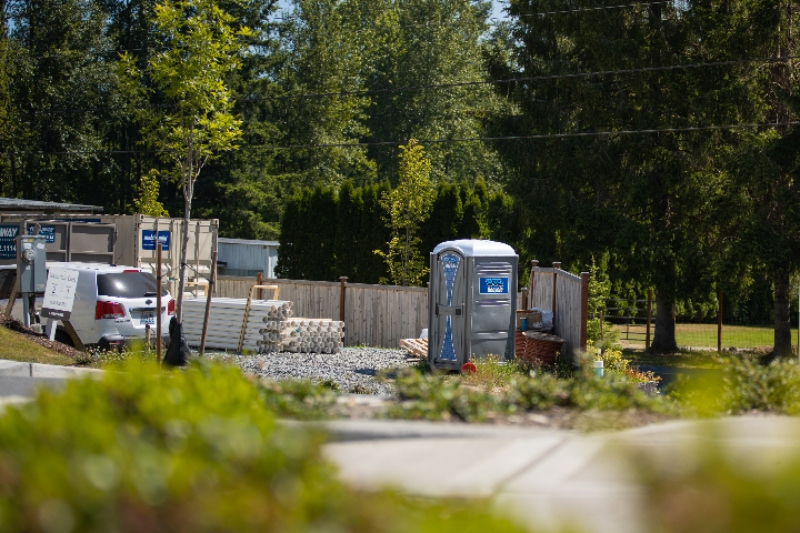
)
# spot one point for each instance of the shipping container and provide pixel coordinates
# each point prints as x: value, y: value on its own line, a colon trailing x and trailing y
x: 242, y: 257
x: 116, y: 239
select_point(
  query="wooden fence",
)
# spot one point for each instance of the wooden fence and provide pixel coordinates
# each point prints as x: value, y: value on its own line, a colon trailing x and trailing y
x: 567, y: 295
x: 374, y: 315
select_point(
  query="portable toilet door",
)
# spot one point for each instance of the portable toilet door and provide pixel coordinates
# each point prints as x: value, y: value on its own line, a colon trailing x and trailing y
x: 448, y: 312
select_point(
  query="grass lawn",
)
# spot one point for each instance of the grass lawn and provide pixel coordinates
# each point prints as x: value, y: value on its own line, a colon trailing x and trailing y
x: 16, y: 347
x: 705, y: 336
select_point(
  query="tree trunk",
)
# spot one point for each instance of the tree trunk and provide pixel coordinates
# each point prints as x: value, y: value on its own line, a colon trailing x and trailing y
x: 664, y: 339
x: 187, y: 211
x: 783, y: 334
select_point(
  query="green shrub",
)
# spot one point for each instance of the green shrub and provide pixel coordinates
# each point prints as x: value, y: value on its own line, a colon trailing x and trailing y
x: 186, y: 451
x: 743, y: 385
x: 437, y: 396
x: 298, y: 399
x: 433, y: 396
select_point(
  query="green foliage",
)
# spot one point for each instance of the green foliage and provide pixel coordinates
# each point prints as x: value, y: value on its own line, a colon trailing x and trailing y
x: 186, y: 451
x: 431, y: 397
x: 645, y: 199
x: 407, y: 207
x: 353, y: 220
x: 197, y: 124
x: 301, y: 400
x: 51, y: 62
x: 744, y: 385
x: 194, y: 122
x: 501, y: 393
x: 147, y: 202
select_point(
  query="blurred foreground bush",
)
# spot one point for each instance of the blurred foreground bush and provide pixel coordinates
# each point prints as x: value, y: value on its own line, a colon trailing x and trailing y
x: 194, y: 451
x: 743, y: 385
x: 716, y: 487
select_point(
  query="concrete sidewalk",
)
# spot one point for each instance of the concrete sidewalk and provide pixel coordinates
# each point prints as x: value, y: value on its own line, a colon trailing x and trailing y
x: 544, y: 478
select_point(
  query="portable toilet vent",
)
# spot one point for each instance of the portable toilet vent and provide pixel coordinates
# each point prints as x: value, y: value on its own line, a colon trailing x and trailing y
x: 473, y: 302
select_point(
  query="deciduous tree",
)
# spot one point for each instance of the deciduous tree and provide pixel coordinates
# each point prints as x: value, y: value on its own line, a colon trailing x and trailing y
x: 194, y: 122
x: 407, y: 207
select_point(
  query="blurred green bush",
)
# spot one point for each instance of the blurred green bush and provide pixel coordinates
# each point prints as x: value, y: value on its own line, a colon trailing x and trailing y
x: 187, y: 451
x: 742, y: 385
x: 716, y: 488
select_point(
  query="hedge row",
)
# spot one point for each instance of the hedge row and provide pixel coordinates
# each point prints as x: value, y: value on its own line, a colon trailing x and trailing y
x: 327, y: 233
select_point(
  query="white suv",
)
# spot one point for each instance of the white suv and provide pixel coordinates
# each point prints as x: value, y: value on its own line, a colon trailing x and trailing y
x: 113, y: 304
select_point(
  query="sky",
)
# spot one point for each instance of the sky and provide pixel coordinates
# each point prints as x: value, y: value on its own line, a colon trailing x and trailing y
x: 497, y: 8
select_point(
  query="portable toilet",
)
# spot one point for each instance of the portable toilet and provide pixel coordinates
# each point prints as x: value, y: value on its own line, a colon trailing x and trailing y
x: 473, y: 302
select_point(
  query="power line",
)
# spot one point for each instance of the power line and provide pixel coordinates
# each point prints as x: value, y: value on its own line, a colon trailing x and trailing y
x: 543, y: 136
x: 598, y: 8
x: 528, y: 78
x: 428, y: 87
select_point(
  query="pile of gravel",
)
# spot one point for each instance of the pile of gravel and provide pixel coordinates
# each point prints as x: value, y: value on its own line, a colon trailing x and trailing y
x: 353, y: 369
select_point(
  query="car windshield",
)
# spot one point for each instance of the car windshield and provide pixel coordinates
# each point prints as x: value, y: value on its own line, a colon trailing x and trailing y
x: 128, y: 285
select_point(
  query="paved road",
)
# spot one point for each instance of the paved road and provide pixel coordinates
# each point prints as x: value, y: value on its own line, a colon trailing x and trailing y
x: 26, y: 386
x: 545, y: 478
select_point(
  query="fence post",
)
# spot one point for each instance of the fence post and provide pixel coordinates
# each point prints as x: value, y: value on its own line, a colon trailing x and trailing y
x: 342, y: 299
x: 524, y: 299
x: 556, y: 267
x: 260, y: 281
x: 584, y: 308
x: 159, y: 287
x: 649, y: 316
x: 531, y: 283
x: 212, y: 280
x: 719, y: 322
x: 428, y: 304
x: 602, y: 319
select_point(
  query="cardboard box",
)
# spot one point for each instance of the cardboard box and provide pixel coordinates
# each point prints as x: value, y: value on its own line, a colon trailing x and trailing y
x: 532, y: 316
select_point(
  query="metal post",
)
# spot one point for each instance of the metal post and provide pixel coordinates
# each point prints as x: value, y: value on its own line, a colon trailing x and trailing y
x: 719, y: 322
x: 584, y: 308
x: 207, y: 313
x: 556, y: 268
x: 159, y: 287
x: 428, y: 303
x: 649, y: 317
x: 342, y: 301
x: 602, y: 319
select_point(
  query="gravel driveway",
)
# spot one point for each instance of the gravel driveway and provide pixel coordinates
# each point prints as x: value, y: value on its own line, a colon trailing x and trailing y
x: 353, y: 369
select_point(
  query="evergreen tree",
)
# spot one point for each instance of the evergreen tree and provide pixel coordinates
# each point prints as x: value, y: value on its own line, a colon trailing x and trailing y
x: 375, y: 233
x: 58, y: 76
x: 644, y: 196
x: 446, y: 216
x: 349, y: 238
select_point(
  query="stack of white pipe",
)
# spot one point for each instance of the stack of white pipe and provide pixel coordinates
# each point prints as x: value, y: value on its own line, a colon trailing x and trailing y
x: 225, y: 321
x: 304, y: 335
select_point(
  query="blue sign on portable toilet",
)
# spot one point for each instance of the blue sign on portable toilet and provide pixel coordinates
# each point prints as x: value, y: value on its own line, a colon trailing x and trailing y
x: 473, y: 302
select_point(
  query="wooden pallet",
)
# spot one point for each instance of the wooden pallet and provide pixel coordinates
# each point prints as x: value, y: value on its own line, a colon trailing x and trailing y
x: 415, y: 347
